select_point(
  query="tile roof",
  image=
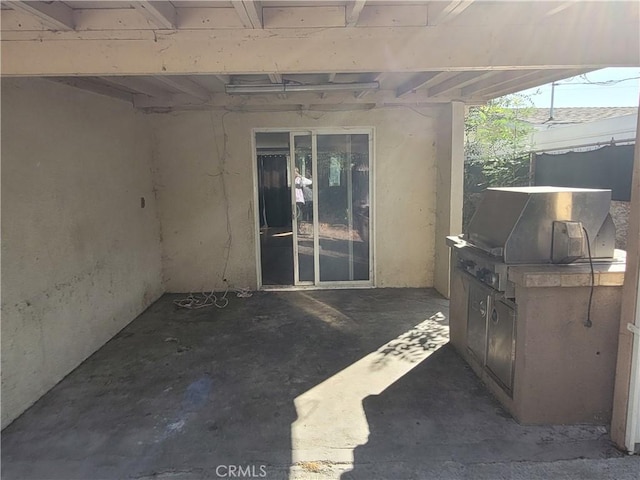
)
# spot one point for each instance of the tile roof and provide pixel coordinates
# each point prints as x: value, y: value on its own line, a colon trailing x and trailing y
x: 573, y: 115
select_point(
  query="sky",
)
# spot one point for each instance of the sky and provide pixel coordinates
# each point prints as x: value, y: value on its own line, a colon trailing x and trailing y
x: 609, y: 87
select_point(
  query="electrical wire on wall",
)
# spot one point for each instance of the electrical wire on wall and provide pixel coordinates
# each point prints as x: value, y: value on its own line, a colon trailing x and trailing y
x: 588, y: 322
x: 222, y: 155
x: 207, y: 299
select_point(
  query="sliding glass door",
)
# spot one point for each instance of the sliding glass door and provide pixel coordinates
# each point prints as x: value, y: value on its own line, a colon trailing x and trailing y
x: 330, y: 182
x: 343, y: 207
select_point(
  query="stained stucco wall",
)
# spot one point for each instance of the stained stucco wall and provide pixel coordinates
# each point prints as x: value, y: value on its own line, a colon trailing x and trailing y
x: 80, y: 257
x: 189, y: 149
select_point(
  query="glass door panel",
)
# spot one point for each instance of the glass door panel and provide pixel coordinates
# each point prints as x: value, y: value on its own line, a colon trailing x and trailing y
x: 274, y: 200
x: 342, y: 184
x: 303, y: 209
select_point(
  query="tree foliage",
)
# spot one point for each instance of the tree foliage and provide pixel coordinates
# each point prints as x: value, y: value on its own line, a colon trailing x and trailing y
x: 496, y: 146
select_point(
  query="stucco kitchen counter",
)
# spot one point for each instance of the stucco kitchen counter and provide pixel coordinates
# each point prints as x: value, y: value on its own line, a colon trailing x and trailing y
x: 606, y: 274
x: 564, y: 349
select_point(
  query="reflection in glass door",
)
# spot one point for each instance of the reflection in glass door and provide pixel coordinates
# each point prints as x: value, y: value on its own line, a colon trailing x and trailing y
x: 302, y: 197
x: 342, y: 184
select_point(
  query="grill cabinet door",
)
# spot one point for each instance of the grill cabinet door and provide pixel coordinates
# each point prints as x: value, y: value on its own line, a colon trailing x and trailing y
x: 477, y: 320
x: 501, y: 342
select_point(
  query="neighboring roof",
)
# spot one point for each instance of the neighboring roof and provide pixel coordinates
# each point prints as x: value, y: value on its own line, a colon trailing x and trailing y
x: 618, y: 130
x: 577, y: 115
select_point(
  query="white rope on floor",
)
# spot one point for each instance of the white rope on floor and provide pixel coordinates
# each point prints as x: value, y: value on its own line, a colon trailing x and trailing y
x: 207, y: 299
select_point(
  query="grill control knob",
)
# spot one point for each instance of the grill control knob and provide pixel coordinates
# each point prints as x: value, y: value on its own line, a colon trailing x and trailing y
x: 467, y: 265
x: 487, y: 276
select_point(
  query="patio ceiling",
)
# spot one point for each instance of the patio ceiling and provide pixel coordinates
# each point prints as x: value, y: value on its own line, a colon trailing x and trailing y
x: 316, y: 54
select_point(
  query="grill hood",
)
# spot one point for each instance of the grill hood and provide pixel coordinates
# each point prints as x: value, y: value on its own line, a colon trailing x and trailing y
x: 517, y: 223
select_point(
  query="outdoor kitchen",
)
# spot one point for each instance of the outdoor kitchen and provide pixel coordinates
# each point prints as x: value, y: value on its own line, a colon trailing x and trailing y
x: 536, y: 288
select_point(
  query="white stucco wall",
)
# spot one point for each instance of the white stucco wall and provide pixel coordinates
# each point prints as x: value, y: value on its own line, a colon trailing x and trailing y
x: 80, y: 257
x: 188, y: 150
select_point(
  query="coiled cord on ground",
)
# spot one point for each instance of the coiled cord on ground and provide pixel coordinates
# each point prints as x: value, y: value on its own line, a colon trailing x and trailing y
x: 208, y: 299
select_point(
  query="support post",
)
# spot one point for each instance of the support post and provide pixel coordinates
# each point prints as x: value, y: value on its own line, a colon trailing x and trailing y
x: 626, y: 403
x: 449, y: 188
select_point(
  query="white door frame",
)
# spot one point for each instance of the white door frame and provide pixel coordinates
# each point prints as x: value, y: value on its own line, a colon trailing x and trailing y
x: 294, y: 217
x: 315, y: 131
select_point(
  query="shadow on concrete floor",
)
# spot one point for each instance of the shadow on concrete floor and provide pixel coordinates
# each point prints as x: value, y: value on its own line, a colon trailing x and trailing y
x: 322, y: 384
x: 454, y: 423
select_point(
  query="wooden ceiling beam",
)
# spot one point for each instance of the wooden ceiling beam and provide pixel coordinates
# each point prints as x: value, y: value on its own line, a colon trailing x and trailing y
x: 534, y: 80
x: 161, y: 14
x: 354, y: 9
x: 502, y: 78
x: 445, y: 12
x: 54, y: 15
x: 224, y: 79
x: 250, y: 13
x: 418, y: 82
x: 349, y: 50
x: 220, y: 100
x: 559, y: 8
x: 95, y: 86
x: 458, y: 82
x: 135, y: 84
x: 184, y: 85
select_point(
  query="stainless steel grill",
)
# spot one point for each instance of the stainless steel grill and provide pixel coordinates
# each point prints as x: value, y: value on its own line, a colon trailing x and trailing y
x: 534, y: 225
x: 513, y: 330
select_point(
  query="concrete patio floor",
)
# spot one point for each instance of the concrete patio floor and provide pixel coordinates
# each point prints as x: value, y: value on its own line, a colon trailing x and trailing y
x: 350, y: 384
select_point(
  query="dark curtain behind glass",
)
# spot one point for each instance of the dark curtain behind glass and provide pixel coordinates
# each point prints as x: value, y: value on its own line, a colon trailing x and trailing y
x: 274, y: 193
